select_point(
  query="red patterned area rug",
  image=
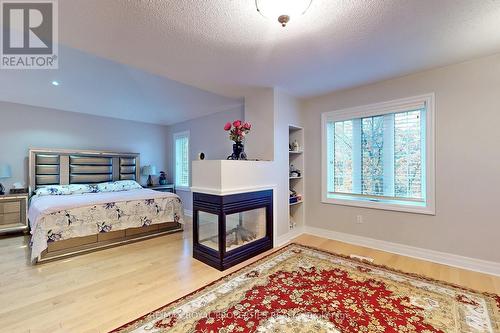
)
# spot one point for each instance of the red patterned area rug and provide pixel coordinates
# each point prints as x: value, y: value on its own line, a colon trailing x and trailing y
x: 301, y: 289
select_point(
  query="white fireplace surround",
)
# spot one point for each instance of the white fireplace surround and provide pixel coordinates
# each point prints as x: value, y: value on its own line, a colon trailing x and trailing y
x: 224, y: 177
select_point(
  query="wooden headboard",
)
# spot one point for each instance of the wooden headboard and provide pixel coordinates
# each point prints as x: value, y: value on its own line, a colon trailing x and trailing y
x: 63, y: 167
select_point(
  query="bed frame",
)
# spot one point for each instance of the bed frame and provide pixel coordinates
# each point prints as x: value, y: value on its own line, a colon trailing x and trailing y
x: 63, y: 167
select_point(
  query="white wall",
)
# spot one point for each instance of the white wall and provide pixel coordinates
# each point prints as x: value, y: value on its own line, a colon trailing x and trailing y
x: 259, y: 111
x: 271, y: 111
x: 287, y: 111
x: 467, y: 220
x: 23, y: 126
x: 206, y: 135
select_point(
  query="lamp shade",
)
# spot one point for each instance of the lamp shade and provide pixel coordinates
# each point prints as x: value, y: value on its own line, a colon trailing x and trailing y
x: 5, y: 171
x: 148, y: 170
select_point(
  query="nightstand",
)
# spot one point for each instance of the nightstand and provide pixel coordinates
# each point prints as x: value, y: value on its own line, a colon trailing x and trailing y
x: 162, y: 188
x: 13, y: 213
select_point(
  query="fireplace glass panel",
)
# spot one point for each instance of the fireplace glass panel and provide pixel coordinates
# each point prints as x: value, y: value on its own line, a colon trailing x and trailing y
x: 208, y: 230
x: 245, y: 227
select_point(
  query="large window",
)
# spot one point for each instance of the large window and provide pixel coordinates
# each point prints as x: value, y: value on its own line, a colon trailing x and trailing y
x: 381, y: 155
x: 181, y: 154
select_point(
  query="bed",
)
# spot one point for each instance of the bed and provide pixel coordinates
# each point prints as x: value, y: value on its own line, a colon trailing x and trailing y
x: 88, y: 200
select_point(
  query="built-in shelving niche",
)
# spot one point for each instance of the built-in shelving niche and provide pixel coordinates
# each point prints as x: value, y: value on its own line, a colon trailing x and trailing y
x: 296, y: 182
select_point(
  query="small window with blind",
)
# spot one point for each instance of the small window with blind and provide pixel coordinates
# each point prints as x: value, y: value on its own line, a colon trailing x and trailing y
x: 381, y: 155
x: 181, y: 154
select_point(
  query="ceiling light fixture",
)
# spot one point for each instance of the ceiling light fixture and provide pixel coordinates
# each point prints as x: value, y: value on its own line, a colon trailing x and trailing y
x: 55, y: 83
x: 282, y: 10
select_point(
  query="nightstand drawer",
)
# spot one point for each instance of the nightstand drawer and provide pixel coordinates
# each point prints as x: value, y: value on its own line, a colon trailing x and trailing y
x: 10, y: 207
x: 13, y: 213
x: 11, y: 218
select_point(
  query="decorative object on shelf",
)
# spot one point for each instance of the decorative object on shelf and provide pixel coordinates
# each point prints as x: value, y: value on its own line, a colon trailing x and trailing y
x: 291, y: 222
x: 237, y: 132
x: 149, y: 170
x: 18, y: 188
x: 18, y: 185
x: 5, y: 172
x: 163, y: 178
x: 295, y: 146
x: 295, y: 197
x: 238, y: 152
x: 18, y: 191
x: 282, y: 10
x: 294, y: 172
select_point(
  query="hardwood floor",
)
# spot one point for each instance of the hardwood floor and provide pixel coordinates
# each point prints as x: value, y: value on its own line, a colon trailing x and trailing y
x: 103, y: 290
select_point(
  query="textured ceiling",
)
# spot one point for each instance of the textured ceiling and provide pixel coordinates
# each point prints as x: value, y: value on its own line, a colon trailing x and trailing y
x: 224, y: 45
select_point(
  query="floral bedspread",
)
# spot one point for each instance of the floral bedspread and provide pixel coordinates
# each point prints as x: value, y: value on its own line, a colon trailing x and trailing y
x: 90, y: 219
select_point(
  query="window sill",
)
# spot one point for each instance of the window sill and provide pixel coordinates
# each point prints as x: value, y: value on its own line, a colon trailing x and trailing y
x: 399, y: 207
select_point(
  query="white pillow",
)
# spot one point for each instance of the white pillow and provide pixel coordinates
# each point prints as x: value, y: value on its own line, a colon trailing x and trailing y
x: 65, y: 189
x: 52, y: 190
x: 120, y: 185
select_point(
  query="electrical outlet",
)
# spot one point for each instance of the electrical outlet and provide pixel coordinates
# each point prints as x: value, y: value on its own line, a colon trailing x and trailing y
x: 359, y: 219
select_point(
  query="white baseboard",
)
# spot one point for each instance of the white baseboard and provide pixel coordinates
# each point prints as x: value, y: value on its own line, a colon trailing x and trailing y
x: 283, y: 239
x: 472, y: 264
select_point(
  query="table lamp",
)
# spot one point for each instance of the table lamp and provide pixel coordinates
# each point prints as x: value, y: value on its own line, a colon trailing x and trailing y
x: 149, y: 170
x: 5, y: 172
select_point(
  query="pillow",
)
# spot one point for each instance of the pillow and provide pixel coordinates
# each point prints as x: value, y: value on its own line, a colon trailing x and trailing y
x: 120, y: 185
x: 65, y: 189
x: 82, y: 188
x: 52, y: 190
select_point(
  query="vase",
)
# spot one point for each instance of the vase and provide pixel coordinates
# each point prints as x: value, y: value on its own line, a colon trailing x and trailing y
x: 163, y: 178
x: 238, y: 152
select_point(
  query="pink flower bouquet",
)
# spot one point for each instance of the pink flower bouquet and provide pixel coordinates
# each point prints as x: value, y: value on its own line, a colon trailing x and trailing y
x: 237, y: 130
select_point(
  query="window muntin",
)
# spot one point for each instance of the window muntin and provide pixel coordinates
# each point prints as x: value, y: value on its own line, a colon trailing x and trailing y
x: 181, y: 147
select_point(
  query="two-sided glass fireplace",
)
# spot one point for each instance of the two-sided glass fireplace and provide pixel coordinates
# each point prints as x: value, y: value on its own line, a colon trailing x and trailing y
x: 232, y: 228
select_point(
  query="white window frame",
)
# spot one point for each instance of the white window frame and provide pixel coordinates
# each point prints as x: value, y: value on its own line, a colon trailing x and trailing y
x: 175, y: 136
x: 393, y: 106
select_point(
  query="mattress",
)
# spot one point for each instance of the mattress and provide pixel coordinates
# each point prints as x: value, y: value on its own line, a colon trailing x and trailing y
x: 60, y: 217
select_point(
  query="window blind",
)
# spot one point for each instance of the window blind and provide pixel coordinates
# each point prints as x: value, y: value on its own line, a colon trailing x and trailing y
x: 378, y: 157
x: 182, y: 160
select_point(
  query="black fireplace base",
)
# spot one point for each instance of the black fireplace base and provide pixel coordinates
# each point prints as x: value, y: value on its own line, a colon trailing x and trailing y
x: 234, y: 259
x: 226, y: 205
